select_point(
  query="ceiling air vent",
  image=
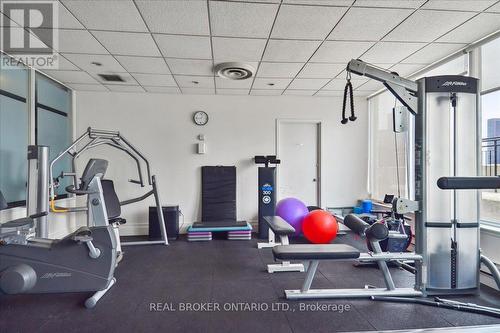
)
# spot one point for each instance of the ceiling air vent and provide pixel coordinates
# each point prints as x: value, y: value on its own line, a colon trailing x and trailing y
x: 234, y: 70
x: 111, y: 77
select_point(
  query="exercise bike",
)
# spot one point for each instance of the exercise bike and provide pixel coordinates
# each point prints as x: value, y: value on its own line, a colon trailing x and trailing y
x: 83, y: 261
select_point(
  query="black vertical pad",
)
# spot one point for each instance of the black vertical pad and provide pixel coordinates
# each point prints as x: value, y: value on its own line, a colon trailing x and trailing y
x: 218, y: 193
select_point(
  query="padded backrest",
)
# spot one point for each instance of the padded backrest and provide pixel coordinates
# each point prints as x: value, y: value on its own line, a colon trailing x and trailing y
x: 113, y: 207
x: 3, y: 202
x: 95, y: 167
x: 218, y: 193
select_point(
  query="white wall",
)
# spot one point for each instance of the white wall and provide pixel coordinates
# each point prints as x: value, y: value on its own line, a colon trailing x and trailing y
x: 240, y: 127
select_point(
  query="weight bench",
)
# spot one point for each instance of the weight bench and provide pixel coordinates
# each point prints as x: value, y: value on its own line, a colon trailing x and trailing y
x: 279, y: 227
x: 311, y: 255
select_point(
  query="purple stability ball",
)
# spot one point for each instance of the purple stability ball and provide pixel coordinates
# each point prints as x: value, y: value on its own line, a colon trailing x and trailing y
x: 293, y: 211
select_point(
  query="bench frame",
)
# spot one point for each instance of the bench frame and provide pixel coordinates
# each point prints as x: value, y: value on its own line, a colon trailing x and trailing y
x: 381, y: 258
x: 284, y: 266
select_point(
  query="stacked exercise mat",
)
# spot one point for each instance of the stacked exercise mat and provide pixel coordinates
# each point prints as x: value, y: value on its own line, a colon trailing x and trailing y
x: 218, y: 206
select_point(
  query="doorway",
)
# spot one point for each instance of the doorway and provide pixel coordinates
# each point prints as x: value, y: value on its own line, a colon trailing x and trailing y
x: 298, y: 146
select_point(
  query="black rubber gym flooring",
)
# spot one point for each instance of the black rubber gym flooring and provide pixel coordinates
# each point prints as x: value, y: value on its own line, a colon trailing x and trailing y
x: 229, y: 275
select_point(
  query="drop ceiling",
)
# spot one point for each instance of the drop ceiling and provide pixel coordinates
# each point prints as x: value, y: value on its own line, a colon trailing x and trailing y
x: 298, y: 47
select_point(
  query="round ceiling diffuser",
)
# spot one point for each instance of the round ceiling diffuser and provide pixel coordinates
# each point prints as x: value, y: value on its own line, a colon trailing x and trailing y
x: 234, y: 70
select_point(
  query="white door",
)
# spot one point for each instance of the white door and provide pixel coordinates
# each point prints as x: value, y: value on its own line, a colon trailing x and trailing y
x: 298, y: 149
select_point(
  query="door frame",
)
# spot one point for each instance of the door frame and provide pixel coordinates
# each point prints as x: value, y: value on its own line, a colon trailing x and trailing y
x: 319, y: 158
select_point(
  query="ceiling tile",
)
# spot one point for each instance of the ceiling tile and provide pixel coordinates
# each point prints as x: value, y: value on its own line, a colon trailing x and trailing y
x: 144, y: 65
x: 155, y: 80
x: 365, y: 23
x: 263, y: 1
x: 475, y: 6
x: 473, y: 30
x: 317, y: 70
x: 79, y: 41
x: 107, y: 14
x: 198, y: 91
x: 127, y: 80
x: 390, y: 52
x: 277, y: 69
x: 242, y: 19
x: 64, y: 65
x: 308, y: 84
x: 176, y: 16
x: 371, y: 85
x: 232, y: 84
x: 127, y: 43
x: 427, y: 25
x: 330, y: 93
x: 362, y: 93
x: 88, y: 87
x: 306, y: 22
x: 340, y: 51
x: 71, y: 76
x: 68, y: 21
x: 164, y: 90
x: 232, y: 91
x: 238, y: 49
x: 321, y: 2
x: 190, y: 67
x: 299, y: 92
x: 124, y: 88
x: 433, y: 52
x: 194, y: 81
x: 390, y: 3
x: 267, y: 83
x: 406, y: 69
x: 339, y: 84
x: 175, y: 46
x: 290, y: 50
x: 84, y: 61
x: 495, y: 8
x: 266, y: 92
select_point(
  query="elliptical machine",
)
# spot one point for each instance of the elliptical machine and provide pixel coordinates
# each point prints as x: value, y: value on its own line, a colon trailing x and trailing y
x: 83, y: 261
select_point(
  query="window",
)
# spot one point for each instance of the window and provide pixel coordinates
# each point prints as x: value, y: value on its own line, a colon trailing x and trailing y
x: 490, y: 113
x: 51, y: 127
x: 389, y: 175
x: 53, y: 122
x: 490, y: 65
x: 13, y: 132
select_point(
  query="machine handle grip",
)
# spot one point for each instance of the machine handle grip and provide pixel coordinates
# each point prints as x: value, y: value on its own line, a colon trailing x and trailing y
x: 73, y: 190
x: 37, y: 215
x: 468, y: 183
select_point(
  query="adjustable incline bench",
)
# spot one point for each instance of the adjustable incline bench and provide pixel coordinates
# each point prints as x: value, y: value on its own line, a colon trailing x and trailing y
x: 311, y: 255
x: 282, y: 229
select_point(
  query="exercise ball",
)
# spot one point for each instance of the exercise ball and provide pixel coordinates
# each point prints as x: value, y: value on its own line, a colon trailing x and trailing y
x: 293, y: 211
x: 320, y: 227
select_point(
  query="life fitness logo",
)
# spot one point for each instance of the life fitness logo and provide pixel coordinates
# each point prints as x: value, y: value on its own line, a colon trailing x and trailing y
x: 267, y: 190
x: 454, y: 83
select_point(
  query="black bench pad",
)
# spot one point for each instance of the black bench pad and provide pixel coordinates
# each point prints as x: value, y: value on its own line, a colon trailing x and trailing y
x: 315, y: 252
x: 279, y: 226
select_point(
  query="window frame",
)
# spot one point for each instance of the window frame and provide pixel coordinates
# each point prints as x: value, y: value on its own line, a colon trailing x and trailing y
x: 4, y: 93
x: 32, y: 105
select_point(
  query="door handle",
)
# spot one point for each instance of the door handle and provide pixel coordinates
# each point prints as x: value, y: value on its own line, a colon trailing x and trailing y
x: 314, y: 179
